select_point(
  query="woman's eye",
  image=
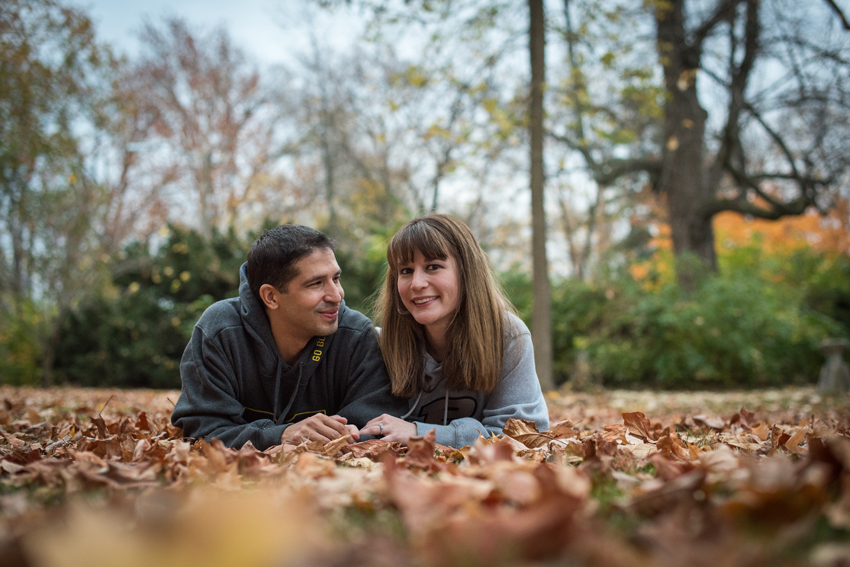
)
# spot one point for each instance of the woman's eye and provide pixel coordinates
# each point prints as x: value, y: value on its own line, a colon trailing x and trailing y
x: 434, y: 266
x: 405, y: 271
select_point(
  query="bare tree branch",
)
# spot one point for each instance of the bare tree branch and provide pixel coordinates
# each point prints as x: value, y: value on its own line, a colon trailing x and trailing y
x: 840, y: 14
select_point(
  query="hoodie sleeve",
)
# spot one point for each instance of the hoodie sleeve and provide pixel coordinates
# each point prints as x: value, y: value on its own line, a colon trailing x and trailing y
x: 208, y: 406
x: 369, y: 392
x: 517, y: 396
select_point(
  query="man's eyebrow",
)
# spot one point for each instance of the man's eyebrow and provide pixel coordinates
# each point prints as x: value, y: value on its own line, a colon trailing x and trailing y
x: 319, y: 277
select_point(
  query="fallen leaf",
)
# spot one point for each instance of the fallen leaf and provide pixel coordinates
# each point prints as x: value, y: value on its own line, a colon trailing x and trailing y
x: 638, y: 425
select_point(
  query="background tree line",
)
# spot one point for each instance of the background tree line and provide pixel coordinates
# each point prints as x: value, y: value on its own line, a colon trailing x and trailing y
x: 613, y: 134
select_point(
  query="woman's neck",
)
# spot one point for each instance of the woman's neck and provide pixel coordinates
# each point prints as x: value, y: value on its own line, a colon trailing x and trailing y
x: 436, y: 342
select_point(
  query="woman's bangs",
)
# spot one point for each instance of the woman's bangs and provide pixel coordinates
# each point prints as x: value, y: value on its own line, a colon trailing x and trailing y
x: 418, y: 236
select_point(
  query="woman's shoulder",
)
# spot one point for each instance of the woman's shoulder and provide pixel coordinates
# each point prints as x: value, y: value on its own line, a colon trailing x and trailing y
x: 514, y: 326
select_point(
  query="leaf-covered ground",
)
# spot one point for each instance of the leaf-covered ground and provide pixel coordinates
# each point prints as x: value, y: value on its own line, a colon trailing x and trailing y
x: 98, y: 477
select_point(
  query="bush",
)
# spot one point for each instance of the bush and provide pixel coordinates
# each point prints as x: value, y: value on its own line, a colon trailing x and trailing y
x: 747, y: 327
x: 733, y: 331
x: 133, y: 332
x: 20, y: 353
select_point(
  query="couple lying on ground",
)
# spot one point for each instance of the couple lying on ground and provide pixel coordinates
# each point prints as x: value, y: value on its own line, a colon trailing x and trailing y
x: 286, y: 361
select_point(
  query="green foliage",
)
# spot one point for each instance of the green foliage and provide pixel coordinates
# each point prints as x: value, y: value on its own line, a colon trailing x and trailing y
x: 132, y: 333
x: 732, y: 331
x: 20, y: 353
x: 759, y: 323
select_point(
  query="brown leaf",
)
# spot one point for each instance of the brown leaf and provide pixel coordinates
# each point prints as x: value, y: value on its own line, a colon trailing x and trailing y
x: 333, y: 448
x: 638, y: 425
x: 515, y: 427
x: 12, y: 440
x: 100, y: 423
x: 563, y: 430
x: 778, y: 438
x: 761, y: 430
x: 371, y: 449
x: 671, y: 447
x: 420, y: 452
x: 526, y: 433
x: 666, y: 496
x: 484, y: 453
x: 615, y: 432
x: 314, y: 466
x: 10, y: 467
x: 142, y: 422
x: 712, y: 422
x: 793, y: 444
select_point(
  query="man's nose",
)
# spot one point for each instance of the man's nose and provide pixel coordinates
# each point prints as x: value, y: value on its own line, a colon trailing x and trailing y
x: 335, y: 294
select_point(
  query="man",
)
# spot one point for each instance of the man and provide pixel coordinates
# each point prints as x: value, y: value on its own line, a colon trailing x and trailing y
x: 286, y: 361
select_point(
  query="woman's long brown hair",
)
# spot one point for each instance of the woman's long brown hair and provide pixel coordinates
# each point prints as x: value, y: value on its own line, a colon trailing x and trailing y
x: 476, y: 335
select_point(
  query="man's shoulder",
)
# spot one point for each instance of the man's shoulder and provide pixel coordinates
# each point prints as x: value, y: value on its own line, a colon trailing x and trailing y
x: 354, y: 321
x: 219, y: 316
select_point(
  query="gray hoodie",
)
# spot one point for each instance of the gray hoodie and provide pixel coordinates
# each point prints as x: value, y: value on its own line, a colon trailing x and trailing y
x: 460, y: 416
x: 237, y: 388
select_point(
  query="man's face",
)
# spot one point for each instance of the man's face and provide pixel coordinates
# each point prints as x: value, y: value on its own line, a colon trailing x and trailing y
x: 309, y: 305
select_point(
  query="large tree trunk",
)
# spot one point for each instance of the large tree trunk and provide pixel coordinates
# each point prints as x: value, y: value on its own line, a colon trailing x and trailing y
x: 683, y: 174
x: 541, y: 315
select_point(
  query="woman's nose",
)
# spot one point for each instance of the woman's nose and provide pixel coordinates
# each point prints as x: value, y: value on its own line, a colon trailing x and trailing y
x: 419, y: 280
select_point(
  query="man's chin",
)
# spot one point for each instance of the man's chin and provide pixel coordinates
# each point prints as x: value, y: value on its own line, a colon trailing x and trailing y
x: 328, y: 328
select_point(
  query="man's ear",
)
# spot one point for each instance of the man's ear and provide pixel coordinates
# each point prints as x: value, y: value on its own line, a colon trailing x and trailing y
x: 269, y: 295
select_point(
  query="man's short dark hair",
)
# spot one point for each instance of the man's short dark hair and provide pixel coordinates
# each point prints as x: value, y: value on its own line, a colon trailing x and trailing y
x: 273, y: 256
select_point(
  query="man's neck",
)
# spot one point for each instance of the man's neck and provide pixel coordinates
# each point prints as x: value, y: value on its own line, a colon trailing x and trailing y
x: 288, y: 345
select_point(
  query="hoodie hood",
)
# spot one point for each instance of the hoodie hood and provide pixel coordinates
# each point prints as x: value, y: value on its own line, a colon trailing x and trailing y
x: 256, y: 324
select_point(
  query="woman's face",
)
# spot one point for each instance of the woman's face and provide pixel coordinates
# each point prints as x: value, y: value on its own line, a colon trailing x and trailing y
x: 430, y: 291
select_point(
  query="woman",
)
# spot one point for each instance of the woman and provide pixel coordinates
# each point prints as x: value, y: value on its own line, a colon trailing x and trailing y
x: 450, y: 339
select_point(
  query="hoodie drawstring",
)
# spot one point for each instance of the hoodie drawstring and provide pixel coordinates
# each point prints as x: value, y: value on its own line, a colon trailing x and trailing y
x: 294, y: 393
x: 446, y: 409
x: 419, y: 397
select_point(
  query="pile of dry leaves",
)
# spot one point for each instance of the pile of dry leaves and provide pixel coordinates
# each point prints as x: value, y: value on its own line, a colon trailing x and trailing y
x: 90, y: 477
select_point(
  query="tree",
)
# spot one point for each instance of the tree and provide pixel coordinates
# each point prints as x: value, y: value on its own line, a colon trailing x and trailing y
x: 541, y: 318
x: 605, y: 119
x: 60, y: 213
x: 754, y: 108
x: 218, y: 137
x: 782, y: 73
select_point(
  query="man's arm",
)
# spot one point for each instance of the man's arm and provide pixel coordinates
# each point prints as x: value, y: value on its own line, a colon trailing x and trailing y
x: 208, y: 407
x: 368, y: 389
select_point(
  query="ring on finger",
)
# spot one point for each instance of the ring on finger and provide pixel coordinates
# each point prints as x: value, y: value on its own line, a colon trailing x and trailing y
x: 381, y: 425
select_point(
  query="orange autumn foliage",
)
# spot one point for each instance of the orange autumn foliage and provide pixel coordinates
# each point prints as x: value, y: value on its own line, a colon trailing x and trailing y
x: 829, y: 235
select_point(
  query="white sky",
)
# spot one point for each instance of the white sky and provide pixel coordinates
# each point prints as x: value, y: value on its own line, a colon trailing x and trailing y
x: 270, y: 30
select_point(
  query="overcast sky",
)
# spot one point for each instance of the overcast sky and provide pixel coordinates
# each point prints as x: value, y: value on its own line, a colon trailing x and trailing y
x: 268, y: 29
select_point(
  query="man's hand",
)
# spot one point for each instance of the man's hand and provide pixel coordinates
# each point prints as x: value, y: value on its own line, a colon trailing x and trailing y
x: 319, y: 427
x: 390, y: 429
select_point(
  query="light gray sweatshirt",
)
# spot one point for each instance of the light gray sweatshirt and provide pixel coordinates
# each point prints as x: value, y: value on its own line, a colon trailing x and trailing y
x: 459, y: 416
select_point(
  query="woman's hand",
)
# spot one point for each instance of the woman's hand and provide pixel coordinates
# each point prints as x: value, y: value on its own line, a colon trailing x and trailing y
x: 390, y: 429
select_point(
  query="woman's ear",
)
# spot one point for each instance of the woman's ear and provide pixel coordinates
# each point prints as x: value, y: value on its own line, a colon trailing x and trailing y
x: 269, y: 296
